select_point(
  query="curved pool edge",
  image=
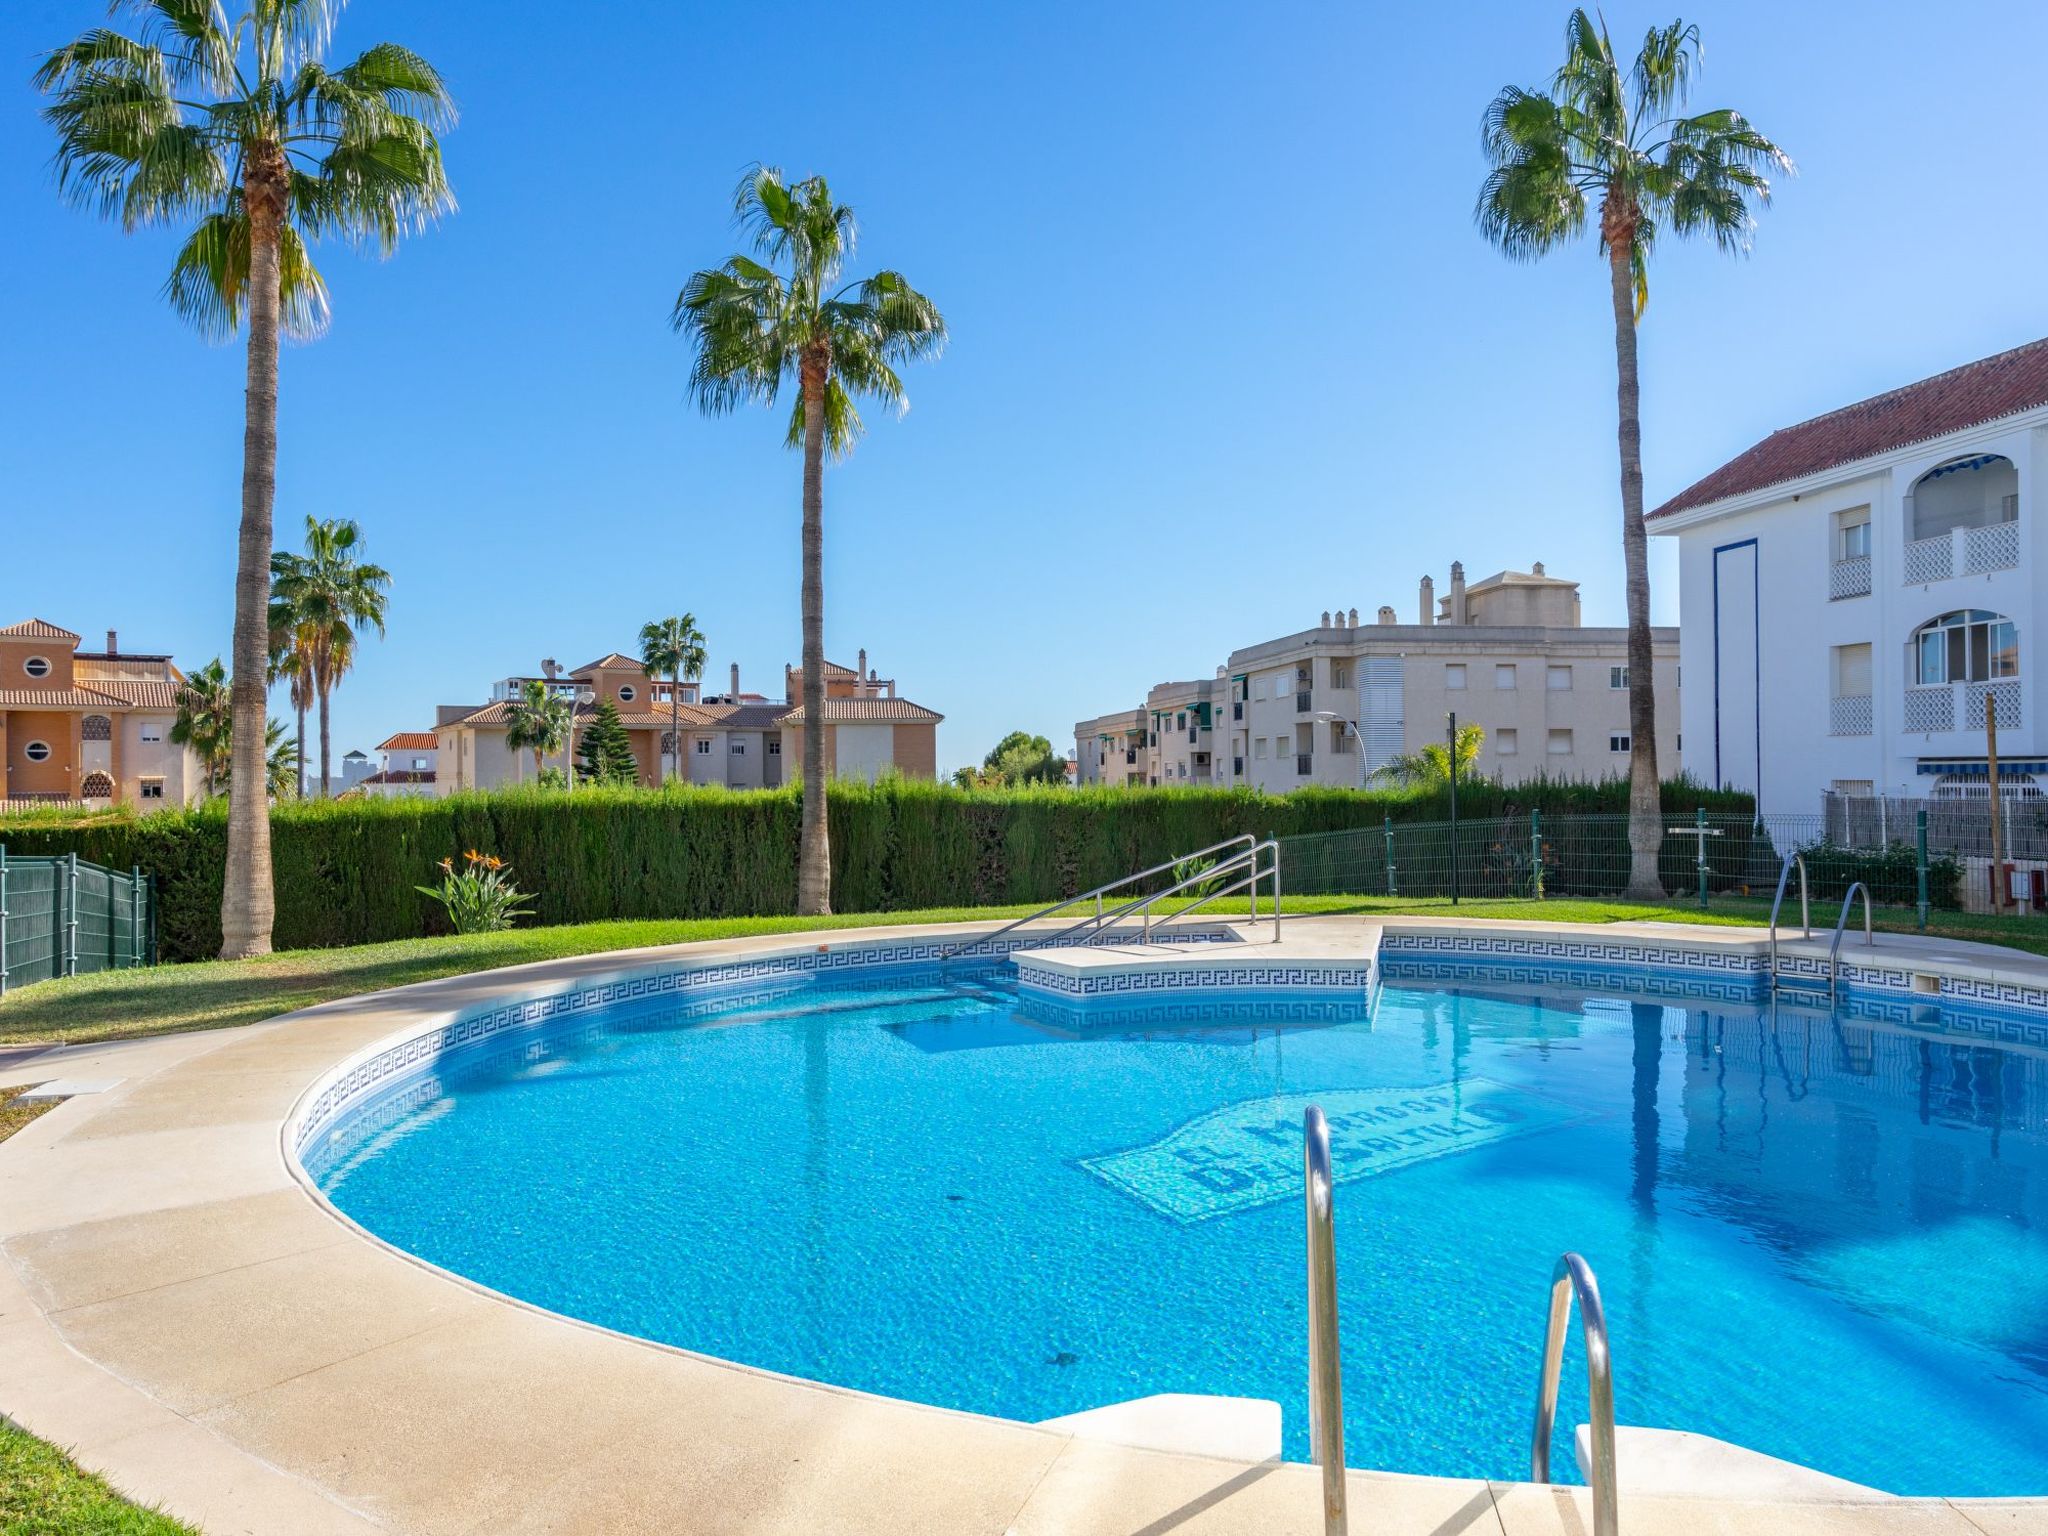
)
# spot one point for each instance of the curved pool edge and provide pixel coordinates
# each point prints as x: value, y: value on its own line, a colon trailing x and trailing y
x: 210, y: 1332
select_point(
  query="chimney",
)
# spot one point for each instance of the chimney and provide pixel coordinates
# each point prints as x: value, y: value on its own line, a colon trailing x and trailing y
x: 1536, y: 569
x: 860, y: 673
x: 1326, y: 618
x: 1428, y: 601
x: 549, y: 667
x: 735, y: 682
x: 1387, y: 614
x: 1354, y: 618
x: 1457, y: 592
x: 113, y: 643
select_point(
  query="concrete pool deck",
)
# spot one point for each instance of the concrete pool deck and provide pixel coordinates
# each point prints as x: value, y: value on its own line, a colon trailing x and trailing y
x: 178, y: 1310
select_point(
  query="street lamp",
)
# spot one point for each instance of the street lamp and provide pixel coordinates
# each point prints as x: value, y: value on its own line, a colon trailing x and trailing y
x: 583, y: 696
x: 1357, y: 737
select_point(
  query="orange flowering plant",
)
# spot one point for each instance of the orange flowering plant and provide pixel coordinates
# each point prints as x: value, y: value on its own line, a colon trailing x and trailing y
x: 479, y: 897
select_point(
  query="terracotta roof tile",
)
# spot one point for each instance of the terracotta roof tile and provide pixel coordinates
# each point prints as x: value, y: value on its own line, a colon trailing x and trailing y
x: 37, y: 629
x: 746, y: 717
x: 59, y: 698
x: 1963, y: 397
x: 409, y: 741
x: 151, y: 694
x: 869, y: 712
x: 611, y: 662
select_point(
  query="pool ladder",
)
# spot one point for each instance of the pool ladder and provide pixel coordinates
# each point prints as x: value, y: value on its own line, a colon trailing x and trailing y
x: 1806, y: 922
x: 1571, y: 1280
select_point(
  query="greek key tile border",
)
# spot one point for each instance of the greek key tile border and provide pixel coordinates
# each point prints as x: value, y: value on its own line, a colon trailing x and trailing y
x: 1286, y: 976
x: 374, y: 1074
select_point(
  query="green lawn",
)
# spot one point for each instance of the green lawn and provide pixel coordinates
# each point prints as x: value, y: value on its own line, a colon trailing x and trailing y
x: 115, y: 1005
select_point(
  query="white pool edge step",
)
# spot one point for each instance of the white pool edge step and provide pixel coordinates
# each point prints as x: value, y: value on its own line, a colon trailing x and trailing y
x: 1680, y: 1463
x: 1189, y: 1423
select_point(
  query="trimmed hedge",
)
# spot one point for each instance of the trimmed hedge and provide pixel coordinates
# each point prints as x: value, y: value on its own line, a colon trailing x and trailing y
x: 345, y: 869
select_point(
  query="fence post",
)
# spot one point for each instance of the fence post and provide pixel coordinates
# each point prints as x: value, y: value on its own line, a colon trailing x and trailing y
x: 134, y: 915
x: 1536, y: 852
x: 1920, y: 873
x: 1452, y: 742
x: 155, y: 950
x: 3, y: 919
x: 1700, y: 820
x: 1388, y: 821
x: 71, y: 927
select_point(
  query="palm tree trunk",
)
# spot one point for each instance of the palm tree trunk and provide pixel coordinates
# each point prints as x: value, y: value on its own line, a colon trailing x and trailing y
x: 675, y: 724
x: 325, y: 782
x: 302, y: 747
x: 248, y: 904
x: 1645, y: 809
x: 814, y: 849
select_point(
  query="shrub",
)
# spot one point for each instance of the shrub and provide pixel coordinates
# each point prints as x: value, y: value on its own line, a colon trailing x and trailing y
x: 479, y: 897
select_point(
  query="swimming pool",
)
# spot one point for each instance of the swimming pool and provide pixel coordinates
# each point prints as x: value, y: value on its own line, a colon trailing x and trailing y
x: 1818, y: 1237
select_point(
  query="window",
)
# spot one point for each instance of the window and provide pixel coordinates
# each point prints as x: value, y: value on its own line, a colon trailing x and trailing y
x: 421, y: 764
x: 1560, y: 742
x: 1852, y: 671
x: 1557, y: 679
x: 703, y: 746
x: 1504, y: 741
x: 96, y: 786
x: 1617, y: 677
x: 774, y: 746
x: 37, y: 666
x: 1504, y: 676
x: 1180, y: 721
x: 627, y: 693
x: 37, y: 751
x: 1967, y: 646
x: 1259, y: 748
x: 150, y: 789
x: 1852, y: 534
x: 1454, y: 675
x: 1860, y: 789
x: 95, y: 728
x: 739, y: 748
x: 1282, y: 686
x: 1286, y: 747
x: 1617, y: 744
x: 1340, y: 674
x: 152, y: 732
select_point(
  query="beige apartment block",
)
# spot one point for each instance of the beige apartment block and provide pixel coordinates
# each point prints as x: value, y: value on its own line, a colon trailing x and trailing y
x: 736, y: 739
x: 1336, y: 703
x: 1111, y: 749
x: 91, y: 727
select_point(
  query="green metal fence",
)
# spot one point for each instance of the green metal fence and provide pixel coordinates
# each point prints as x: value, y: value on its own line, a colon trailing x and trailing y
x: 59, y: 917
x: 1702, y: 857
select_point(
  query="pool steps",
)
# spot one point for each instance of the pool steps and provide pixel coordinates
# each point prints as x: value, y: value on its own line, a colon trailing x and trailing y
x: 1678, y: 1462
x: 1191, y: 1423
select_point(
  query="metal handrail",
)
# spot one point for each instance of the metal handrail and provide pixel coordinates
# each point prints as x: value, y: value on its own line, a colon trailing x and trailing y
x: 1248, y: 861
x: 1805, y: 907
x: 1573, y: 1276
x: 1096, y: 896
x: 1325, y: 1376
x: 1835, y: 944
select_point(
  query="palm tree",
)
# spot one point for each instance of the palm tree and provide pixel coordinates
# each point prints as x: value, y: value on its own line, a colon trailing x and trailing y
x: 674, y: 646
x: 537, y: 721
x: 1622, y: 138
x: 1431, y: 766
x: 753, y: 328
x: 327, y: 592
x: 280, y: 771
x: 205, y: 721
x: 237, y: 129
x: 291, y: 661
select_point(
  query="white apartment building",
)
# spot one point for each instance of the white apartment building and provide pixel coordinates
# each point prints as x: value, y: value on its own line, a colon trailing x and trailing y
x: 1111, y: 749
x: 1858, y: 589
x: 1508, y: 654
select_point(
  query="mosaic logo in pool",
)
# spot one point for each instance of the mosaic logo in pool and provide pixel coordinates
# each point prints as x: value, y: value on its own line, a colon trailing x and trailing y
x: 1249, y: 1154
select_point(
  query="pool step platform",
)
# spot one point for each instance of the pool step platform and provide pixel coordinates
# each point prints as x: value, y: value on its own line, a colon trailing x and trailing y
x: 1676, y: 1461
x: 1192, y: 1423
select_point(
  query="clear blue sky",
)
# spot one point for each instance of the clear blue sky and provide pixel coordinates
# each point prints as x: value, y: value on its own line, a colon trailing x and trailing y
x: 1226, y: 348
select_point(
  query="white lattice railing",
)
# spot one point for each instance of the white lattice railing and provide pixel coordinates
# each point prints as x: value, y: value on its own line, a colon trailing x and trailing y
x: 1849, y: 578
x: 1849, y: 715
x: 2005, y: 695
x: 1930, y: 560
x: 1995, y: 548
x: 1931, y: 709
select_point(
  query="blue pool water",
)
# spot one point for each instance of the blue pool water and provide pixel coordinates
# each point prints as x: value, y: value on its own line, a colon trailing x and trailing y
x: 1820, y: 1238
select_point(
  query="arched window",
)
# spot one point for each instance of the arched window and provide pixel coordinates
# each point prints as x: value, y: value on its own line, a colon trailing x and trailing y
x: 1966, y: 646
x: 96, y: 728
x: 1973, y: 492
x: 97, y: 786
x: 627, y: 693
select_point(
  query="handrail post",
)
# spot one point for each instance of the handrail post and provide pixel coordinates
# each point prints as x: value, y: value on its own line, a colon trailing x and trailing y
x: 1276, y: 887
x: 1325, y: 1376
x: 1574, y: 1278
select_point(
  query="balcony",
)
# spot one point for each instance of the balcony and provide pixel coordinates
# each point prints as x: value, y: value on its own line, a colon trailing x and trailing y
x: 1962, y: 552
x: 1940, y: 706
x: 1849, y: 715
x: 1849, y: 578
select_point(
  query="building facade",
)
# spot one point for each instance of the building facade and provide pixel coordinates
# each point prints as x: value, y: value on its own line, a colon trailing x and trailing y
x: 736, y: 739
x: 1858, y: 594
x: 1111, y: 749
x: 408, y: 766
x: 1337, y: 703
x: 90, y: 727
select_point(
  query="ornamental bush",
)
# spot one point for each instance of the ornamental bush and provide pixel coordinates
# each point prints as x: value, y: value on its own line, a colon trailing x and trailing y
x: 346, y: 871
